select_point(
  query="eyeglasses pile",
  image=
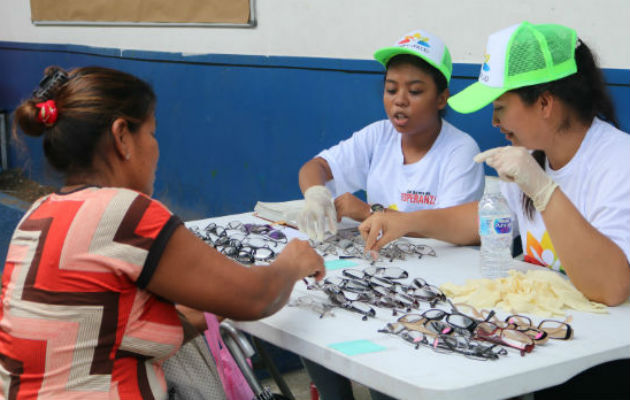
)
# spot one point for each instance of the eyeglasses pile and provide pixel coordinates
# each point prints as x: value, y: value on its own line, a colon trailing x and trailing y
x: 359, y: 290
x: 477, y: 335
x: 348, y: 243
x: 245, y: 243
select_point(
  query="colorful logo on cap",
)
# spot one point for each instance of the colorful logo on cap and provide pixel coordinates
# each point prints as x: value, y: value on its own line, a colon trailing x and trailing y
x: 486, y: 67
x: 416, y: 37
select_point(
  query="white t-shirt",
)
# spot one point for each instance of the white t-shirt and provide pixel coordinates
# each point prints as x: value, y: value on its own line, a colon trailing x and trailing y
x: 596, y: 180
x: 372, y: 160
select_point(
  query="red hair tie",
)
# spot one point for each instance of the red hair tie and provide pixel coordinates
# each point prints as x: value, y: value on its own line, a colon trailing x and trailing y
x: 47, y: 113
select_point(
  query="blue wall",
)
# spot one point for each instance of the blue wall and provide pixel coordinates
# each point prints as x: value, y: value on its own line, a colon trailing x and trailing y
x: 235, y: 129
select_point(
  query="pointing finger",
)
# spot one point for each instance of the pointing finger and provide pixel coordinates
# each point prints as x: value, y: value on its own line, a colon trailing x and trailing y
x: 373, y: 230
x: 481, y: 157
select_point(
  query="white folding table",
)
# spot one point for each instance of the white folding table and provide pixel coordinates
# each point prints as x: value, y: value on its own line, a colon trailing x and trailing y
x: 407, y: 373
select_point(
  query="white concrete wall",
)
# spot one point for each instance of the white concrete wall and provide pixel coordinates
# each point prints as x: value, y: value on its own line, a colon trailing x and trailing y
x: 350, y: 28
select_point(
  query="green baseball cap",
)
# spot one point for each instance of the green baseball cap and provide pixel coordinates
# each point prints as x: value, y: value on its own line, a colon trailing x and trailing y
x: 521, y: 55
x: 420, y: 44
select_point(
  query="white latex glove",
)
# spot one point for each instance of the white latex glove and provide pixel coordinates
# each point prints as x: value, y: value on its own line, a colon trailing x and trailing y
x: 516, y: 164
x: 318, y: 214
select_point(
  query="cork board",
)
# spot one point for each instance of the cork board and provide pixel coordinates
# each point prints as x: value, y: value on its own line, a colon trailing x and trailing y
x: 142, y: 11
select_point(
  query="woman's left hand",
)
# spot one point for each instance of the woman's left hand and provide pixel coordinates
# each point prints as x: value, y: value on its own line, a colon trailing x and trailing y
x: 348, y: 205
x: 382, y: 228
x: 516, y: 164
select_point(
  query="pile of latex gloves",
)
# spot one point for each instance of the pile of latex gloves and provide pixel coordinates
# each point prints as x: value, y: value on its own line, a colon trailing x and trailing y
x: 540, y: 292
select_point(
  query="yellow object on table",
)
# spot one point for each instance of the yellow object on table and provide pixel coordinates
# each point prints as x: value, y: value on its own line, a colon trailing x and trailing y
x: 541, y: 292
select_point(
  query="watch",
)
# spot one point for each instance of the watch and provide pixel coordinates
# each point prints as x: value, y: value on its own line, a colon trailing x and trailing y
x: 376, y: 208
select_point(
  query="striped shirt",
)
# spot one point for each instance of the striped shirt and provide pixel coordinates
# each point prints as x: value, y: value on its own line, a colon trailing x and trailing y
x: 76, y: 321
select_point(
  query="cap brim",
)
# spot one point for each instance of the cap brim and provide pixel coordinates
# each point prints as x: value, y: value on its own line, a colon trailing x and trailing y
x: 474, y: 98
x: 385, y: 54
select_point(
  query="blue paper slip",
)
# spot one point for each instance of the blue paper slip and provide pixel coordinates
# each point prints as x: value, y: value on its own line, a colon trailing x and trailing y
x: 354, y: 347
x: 339, y: 264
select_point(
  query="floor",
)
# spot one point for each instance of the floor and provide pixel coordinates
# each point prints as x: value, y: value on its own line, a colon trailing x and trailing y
x: 299, y: 383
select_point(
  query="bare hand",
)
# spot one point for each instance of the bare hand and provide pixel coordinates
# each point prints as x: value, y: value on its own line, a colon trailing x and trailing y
x: 348, y: 205
x: 381, y: 228
x: 300, y: 255
x: 194, y: 316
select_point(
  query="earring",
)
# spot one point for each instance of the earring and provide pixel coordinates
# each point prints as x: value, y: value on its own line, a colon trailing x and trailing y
x: 127, y: 156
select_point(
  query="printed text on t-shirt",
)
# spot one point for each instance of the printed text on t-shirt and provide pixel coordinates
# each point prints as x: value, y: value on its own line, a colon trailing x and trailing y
x: 418, y: 197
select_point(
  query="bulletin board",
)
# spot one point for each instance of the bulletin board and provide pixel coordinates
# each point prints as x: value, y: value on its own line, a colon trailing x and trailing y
x: 144, y: 12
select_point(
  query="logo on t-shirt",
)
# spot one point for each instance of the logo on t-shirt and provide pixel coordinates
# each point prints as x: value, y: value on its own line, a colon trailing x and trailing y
x: 415, y: 197
x: 542, y: 253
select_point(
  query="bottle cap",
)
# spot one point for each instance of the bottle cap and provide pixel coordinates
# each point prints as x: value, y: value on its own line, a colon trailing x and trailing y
x: 492, y: 185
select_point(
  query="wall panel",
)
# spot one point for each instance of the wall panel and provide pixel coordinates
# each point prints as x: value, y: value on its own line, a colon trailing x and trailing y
x: 235, y: 129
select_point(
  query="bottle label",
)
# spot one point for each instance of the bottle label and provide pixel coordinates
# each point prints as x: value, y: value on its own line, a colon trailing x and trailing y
x: 503, y: 225
x: 484, y: 226
x: 500, y: 226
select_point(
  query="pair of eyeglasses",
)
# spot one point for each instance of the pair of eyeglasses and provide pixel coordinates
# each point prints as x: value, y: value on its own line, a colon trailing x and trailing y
x: 445, y: 344
x: 382, y: 281
x: 346, y: 242
x: 355, y: 250
x: 259, y: 229
x: 350, y: 303
x: 351, y: 295
x: 513, y: 338
x: 387, y: 277
x: 201, y: 235
x: 385, y: 282
x: 399, y: 249
x: 347, y: 284
x: 320, y: 307
x: 539, y: 335
x: 324, y: 248
x: 245, y: 251
x: 437, y: 321
x: 390, y: 273
x: 410, y: 248
x: 463, y: 320
x: 384, y: 276
x: 427, y: 292
x: 214, y: 229
x: 560, y: 330
x: 248, y: 254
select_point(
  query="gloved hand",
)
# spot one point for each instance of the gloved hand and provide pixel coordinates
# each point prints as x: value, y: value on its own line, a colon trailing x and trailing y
x: 319, y: 213
x: 516, y: 164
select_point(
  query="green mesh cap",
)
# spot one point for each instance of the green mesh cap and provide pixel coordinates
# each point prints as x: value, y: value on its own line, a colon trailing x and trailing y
x: 420, y: 44
x: 521, y: 55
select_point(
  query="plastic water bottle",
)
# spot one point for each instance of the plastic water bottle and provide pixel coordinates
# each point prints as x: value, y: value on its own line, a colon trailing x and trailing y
x: 495, y: 231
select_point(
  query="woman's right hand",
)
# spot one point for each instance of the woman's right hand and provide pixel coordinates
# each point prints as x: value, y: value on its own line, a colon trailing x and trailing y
x: 300, y: 255
x: 318, y: 215
x: 382, y: 228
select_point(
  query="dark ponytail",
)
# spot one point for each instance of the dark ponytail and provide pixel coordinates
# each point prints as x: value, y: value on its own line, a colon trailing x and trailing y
x: 584, y: 92
x: 88, y: 100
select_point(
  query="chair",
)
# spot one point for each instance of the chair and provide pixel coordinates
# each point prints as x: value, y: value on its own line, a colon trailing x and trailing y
x: 241, y: 350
